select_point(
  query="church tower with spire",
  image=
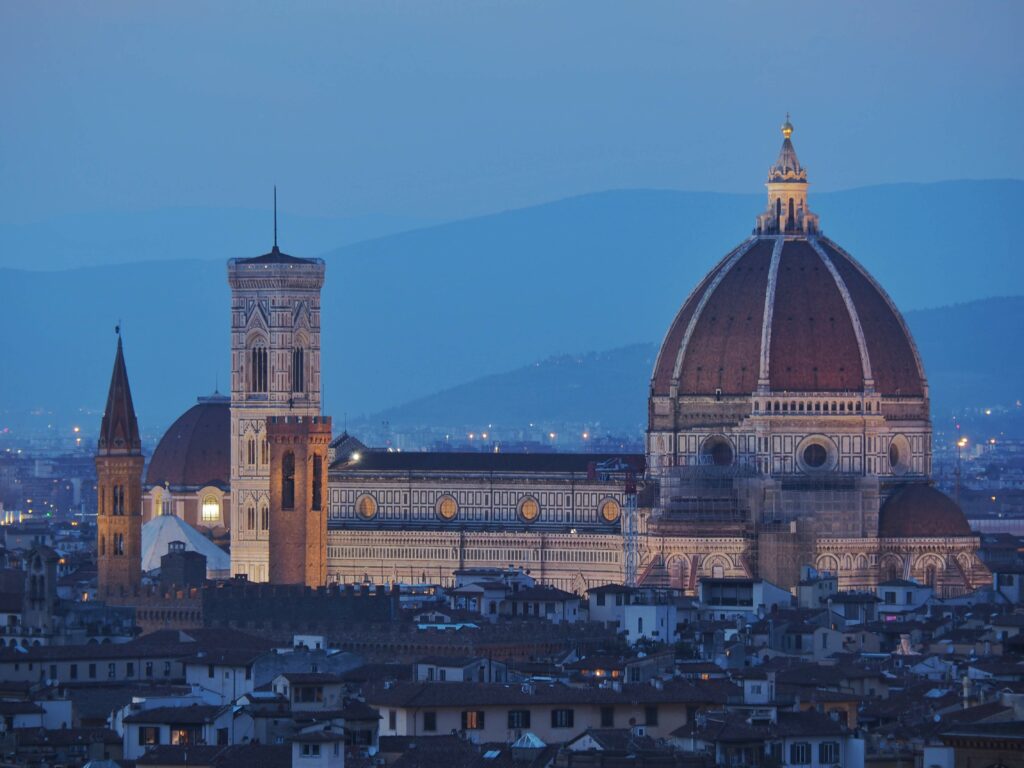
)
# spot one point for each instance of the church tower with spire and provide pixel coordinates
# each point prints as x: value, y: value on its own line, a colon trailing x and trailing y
x: 275, y: 373
x: 119, y: 464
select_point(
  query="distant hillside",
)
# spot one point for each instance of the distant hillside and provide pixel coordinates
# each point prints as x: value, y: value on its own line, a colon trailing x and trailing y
x: 968, y: 362
x: 98, y: 239
x: 418, y: 312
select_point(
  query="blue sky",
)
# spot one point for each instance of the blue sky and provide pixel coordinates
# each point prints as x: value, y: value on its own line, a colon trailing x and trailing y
x: 440, y: 110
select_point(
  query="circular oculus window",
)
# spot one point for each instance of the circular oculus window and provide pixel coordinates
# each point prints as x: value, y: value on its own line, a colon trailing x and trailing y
x: 447, y: 508
x: 718, y: 451
x: 610, y: 510
x: 529, y: 509
x: 366, y: 506
x: 815, y: 456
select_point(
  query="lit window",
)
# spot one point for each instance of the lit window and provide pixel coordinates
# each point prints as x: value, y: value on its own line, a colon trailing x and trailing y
x: 610, y: 510
x: 529, y: 509
x: 447, y: 507
x: 211, y: 509
x: 366, y: 506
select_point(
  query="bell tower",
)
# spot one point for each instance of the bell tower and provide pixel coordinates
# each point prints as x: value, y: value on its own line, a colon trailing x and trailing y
x: 119, y: 464
x: 275, y: 372
x: 298, y: 499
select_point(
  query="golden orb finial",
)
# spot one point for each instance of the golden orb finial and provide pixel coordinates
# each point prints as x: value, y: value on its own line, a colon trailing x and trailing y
x: 787, y: 128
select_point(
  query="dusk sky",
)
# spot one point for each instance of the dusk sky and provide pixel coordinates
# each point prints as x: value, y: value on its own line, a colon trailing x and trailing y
x: 442, y: 110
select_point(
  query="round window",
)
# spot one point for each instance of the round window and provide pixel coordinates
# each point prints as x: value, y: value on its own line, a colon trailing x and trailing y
x: 815, y: 455
x: 366, y: 506
x: 610, y: 511
x: 718, y: 451
x: 894, y: 455
x: 447, y: 507
x: 529, y: 509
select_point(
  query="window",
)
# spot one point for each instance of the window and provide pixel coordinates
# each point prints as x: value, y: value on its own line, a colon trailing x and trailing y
x: 167, y: 669
x: 209, y: 671
x: 129, y: 669
x: 447, y: 508
x: 815, y: 456
x: 211, y: 509
x: 149, y: 735
x: 607, y: 717
x: 251, y: 451
x: 112, y: 670
x: 430, y: 721
x: 288, y: 481
x: 651, y: 715
x: 800, y: 753
x: 318, y: 483
x: 73, y: 672
x: 828, y: 752
x: 258, y: 370
x: 562, y: 718
x: 117, y: 508
x: 775, y: 751
x: 264, y: 452
x: 298, y: 370
x: 519, y: 718
x: 149, y: 669
x: 366, y: 506
x: 311, y: 750
x: 529, y: 509
x: 890, y: 598
x: 473, y: 720
x: 600, y: 598
x: 610, y: 510
x: 264, y: 518
x: 251, y: 518
x: 392, y: 719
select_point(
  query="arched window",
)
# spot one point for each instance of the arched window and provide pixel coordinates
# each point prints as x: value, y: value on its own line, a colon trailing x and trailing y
x: 211, y: 509
x: 265, y: 518
x: 118, y: 505
x: 251, y: 450
x: 251, y: 517
x: 288, y: 481
x: 258, y: 369
x: 791, y: 220
x: 298, y: 370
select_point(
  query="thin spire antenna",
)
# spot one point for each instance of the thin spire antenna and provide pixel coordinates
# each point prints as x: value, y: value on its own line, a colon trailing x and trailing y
x: 275, y: 217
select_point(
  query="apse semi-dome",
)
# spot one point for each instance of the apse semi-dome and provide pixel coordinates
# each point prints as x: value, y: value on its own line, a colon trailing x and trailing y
x: 196, y: 449
x: 918, y: 509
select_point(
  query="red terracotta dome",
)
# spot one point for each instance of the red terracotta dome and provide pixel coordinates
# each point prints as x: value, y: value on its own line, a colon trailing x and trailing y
x: 196, y: 450
x: 822, y: 325
x: 918, y: 509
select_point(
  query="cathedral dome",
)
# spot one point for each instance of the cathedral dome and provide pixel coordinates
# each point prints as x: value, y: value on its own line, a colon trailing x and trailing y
x: 918, y: 509
x: 788, y: 311
x: 788, y: 315
x: 196, y: 450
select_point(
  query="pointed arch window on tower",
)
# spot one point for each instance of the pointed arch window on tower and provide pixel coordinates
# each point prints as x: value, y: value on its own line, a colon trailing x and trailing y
x: 258, y: 370
x: 117, y: 507
x: 264, y: 452
x: 265, y: 518
x: 288, y: 481
x: 298, y: 370
x: 251, y: 517
x: 251, y: 451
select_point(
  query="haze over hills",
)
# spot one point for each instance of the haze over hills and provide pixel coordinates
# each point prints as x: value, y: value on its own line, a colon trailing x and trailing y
x: 98, y: 239
x: 964, y: 361
x: 418, y: 312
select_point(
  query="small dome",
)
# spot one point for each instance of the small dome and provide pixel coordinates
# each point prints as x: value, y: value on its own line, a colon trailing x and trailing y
x: 196, y: 450
x: 919, y: 510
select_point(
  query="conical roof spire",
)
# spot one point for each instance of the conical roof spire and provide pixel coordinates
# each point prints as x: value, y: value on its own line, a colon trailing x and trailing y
x: 119, y: 432
x: 787, y: 166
